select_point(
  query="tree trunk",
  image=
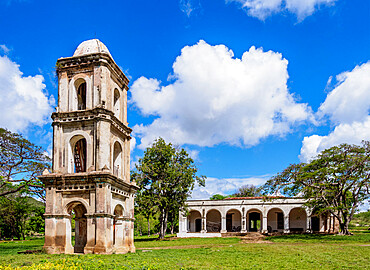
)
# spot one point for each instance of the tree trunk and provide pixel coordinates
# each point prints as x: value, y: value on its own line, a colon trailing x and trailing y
x: 148, y: 226
x: 344, y: 228
x: 172, y: 228
x: 163, y: 221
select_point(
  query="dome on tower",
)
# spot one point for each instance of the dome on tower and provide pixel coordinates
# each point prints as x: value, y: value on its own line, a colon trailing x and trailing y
x: 91, y: 46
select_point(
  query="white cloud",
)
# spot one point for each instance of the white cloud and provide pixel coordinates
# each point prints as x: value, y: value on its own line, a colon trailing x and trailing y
x: 352, y: 133
x: 132, y: 144
x: 350, y: 99
x: 347, y: 106
x: 261, y: 9
x: 23, y: 101
x: 225, y: 186
x: 4, y: 48
x: 188, y: 7
x: 215, y: 98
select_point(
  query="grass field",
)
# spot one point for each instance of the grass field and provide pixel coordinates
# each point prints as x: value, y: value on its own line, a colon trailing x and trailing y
x: 280, y: 252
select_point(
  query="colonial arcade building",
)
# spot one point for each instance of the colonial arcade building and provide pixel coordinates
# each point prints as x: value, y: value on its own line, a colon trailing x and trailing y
x: 212, y: 218
x: 90, y: 179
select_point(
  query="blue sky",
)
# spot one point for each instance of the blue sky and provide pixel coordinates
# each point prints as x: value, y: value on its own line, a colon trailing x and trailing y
x: 246, y: 86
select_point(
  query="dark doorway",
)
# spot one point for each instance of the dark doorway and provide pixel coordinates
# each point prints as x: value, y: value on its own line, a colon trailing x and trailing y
x: 280, y: 221
x: 78, y: 226
x: 229, y: 222
x: 254, y: 221
x: 315, y: 224
x: 198, y: 225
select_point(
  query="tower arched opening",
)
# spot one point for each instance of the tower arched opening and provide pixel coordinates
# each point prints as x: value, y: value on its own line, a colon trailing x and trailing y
x: 78, y: 226
x: 79, y: 155
x: 116, y: 104
x: 81, y: 95
x: 117, y: 159
x: 117, y: 221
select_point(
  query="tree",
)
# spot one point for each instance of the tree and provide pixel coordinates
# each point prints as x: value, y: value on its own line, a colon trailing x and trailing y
x: 20, y: 163
x: 166, y: 175
x: 144, y: 203
x: 335, y: 182
x: 248, y: 191
x: 20, y: 215
x: 217, y: 197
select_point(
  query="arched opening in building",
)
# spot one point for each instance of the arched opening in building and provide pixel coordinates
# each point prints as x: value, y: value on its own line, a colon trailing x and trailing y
x: 78, y: 226
x: 116, y: 103
x: 81, y: 96
x: 117, y: 225
x: 117, y: 159
x: 213, y: 221
x: 233, y: 221
x: 275, y: 220
x: 297, y: 220
x: 254, y: 221
x: 79, y: 155
x: 194, y: 221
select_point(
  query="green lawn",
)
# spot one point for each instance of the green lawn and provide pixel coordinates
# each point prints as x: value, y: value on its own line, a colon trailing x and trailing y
x: 280, y: 252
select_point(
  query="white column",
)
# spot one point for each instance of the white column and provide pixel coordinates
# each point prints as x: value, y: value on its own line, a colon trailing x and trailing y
x: 308, y: 224
x: 244, y: 224
x: 286, y: 223
x: 204, y: 222
x: 181, y: 223
x: 223, y: 224
x: 264, y: 224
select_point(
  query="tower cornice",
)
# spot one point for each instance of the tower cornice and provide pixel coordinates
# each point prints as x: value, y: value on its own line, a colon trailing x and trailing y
x: 95, y: 114
x: 69, y: 64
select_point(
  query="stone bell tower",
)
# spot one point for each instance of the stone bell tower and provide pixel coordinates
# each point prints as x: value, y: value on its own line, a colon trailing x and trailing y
x: 90, y: 180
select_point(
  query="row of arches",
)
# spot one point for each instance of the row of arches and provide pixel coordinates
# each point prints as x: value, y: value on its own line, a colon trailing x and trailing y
x: 79, y: 153
x: 78, y: 226
x: 80, y: 93
x: 276, y: 220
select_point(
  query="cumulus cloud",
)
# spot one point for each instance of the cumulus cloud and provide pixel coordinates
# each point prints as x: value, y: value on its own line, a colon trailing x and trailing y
x: 261, y: 9
x: 349, y: 101
x: 23, y: 101
x: 215, y: 98
x: 225, y: 186
x: 347, y: 107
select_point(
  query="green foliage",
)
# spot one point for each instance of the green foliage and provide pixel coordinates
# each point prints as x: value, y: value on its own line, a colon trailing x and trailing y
x: 336, y: 181
x: 248, y: 191
x: 141, y: 224
x: 20, y: 215
x: 217, y: 197
x: 166, y: 176
x: 20, y: 163
x: 361, y: 219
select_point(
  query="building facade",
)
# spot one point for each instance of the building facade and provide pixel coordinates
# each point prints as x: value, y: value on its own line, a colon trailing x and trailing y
x: 212, y: 218
x: 90, y: 178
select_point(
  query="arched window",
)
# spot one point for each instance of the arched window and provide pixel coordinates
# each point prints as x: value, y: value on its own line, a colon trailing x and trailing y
x: 117, y: 159
x: 81, y: 96
x: 116, y: 104
x: 79, y: 155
